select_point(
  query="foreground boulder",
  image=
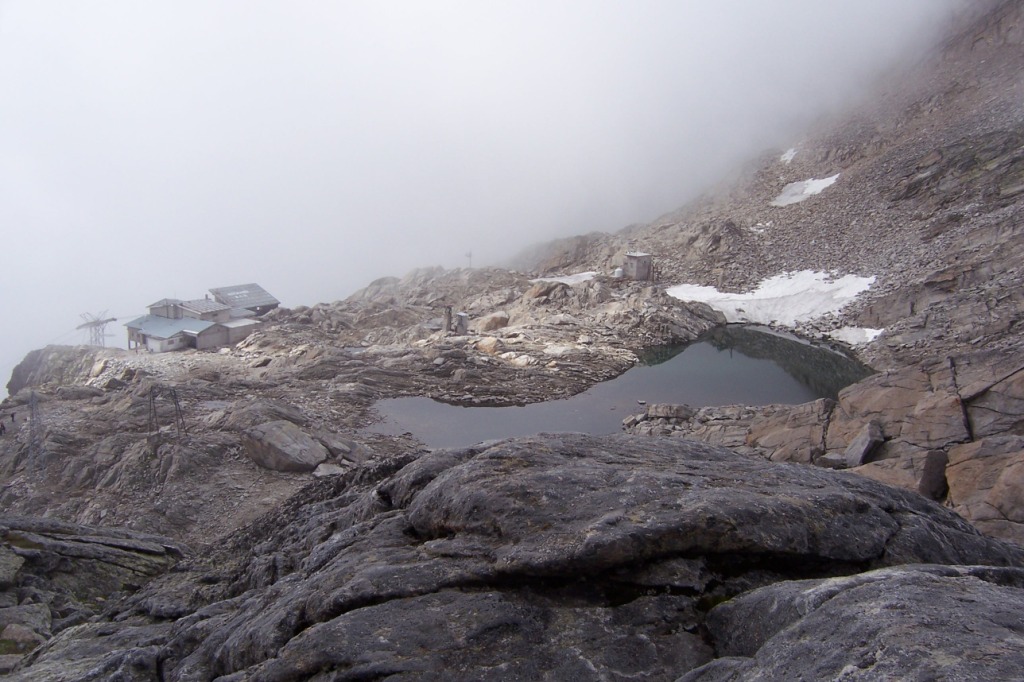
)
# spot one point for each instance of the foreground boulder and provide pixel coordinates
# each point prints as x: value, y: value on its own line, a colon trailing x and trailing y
x: 283, y: 446
x: 897, y: 623
x: 559, y: 557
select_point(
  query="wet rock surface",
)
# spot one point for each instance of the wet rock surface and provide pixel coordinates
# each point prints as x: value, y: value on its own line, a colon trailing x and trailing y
x: 547, y: 557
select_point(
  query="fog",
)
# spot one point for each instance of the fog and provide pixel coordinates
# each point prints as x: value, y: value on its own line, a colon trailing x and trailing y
x: 150, y: 150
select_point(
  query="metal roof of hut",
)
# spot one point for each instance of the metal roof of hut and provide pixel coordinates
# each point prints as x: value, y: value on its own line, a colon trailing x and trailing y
x: 204, y: 305
x: 244, y: 296
x: 165, y: 327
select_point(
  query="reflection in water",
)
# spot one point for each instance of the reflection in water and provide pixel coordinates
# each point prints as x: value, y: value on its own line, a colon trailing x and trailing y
x: 823, y: 371
x: 660, y: 354
x: 730, y: 365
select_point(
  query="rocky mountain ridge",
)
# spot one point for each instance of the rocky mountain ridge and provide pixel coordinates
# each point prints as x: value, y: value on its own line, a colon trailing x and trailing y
x: 304, y: 548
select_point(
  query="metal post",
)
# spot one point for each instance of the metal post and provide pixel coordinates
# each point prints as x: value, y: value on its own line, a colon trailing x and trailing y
x: 35, y: 430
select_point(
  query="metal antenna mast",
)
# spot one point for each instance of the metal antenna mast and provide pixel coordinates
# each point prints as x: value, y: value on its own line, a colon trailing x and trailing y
x: 35, y: 430
x: 97, y: 326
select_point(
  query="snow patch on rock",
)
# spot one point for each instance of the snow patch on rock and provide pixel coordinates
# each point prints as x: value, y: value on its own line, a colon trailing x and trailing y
x: 855, y: 336
x: 787, y: 299
x: 569, y: 279
x: 795, y: 192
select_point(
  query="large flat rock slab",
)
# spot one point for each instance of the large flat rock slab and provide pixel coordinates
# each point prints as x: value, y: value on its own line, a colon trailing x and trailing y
x: 575, y: 503
x: 986, y: 485
x: 559, y: 536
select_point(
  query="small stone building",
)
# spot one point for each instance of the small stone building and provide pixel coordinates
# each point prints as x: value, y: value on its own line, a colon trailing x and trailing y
x: 638, y: 266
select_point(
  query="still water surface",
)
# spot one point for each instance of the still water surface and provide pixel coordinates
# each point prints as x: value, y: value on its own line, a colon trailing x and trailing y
x: 731, y: 365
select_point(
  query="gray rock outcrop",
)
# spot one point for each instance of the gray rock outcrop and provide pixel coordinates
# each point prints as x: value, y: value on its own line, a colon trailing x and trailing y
x: 283, y: 446
x: 495, y: 320
x: 56, y: 575
x: 892, y: 623
x: 550, y: 557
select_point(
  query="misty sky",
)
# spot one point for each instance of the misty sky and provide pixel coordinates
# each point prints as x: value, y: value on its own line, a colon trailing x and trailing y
x: 160, y: 149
